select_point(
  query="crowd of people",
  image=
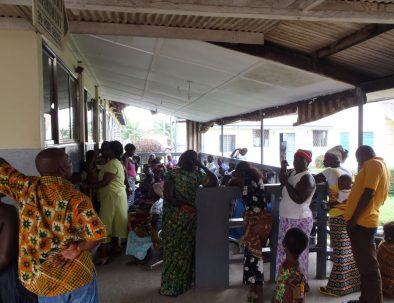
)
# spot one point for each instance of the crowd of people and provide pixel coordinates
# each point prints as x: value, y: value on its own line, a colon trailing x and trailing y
x: 114, y: 197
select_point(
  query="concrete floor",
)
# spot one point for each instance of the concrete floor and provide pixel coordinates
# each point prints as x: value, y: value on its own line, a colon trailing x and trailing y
x: 122, y: 283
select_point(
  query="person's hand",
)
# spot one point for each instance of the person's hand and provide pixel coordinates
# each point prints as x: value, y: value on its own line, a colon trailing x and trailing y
x: 284, y: 164
x: 66, y: 255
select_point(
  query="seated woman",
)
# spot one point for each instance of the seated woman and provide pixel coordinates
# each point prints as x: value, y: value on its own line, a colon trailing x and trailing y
x: 142, y: 227
x: 385, y: 255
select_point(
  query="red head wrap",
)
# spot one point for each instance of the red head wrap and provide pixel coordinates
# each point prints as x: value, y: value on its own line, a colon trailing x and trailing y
x: 306, y: 154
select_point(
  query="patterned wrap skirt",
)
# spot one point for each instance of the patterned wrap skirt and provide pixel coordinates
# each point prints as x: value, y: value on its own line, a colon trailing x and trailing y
x: 344, y: 277
x: 386, y: 262
x: 257, y: 226
x: 178, y: 242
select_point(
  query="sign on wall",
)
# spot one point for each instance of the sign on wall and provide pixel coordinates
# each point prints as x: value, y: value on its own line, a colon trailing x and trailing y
x: 50, y: 19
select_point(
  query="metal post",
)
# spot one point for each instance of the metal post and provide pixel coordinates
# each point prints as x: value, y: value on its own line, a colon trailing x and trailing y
x: 262, y: 141
x: 222, y: 141
x: 361, y: 118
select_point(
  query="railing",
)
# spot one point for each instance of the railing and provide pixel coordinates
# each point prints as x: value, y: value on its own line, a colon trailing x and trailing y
x: 212, y: 257
x: 272, y: 171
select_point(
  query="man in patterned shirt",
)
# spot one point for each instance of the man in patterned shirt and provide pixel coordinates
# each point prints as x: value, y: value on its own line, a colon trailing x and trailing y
x: 58, y: 228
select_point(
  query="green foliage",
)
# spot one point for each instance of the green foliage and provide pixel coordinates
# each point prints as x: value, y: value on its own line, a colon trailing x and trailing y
x: 391, y: 190
x: 132, y: 131
x: 147, y: 145
x: 163, y: 127
x: 387, y: 210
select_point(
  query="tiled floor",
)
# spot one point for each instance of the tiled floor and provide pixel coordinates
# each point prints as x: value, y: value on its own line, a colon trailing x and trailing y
x: 121, y: 283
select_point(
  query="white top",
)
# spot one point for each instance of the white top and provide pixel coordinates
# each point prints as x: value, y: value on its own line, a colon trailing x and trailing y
x: 342, y: 195
x: 332, y: 174
x: 290, y: 209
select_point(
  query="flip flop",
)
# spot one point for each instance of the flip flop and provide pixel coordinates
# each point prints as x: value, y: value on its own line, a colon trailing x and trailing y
x: 325, y: 291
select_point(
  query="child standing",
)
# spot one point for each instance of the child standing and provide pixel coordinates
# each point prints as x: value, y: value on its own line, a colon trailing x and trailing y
x: 291, y: 284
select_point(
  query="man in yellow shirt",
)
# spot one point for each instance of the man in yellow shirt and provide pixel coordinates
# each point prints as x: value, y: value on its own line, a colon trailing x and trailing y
x: 368, y: 194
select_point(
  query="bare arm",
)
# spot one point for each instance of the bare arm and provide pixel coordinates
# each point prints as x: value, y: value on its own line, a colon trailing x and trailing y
x: 319, y: 178
x: 234, y: 152
x: 107, y: 179
x: 302, y: 190
x: 365, y: 199
x: 213, y: 180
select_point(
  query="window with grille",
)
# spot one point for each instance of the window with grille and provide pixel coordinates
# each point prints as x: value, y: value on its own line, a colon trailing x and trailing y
x: 257, y: 138
x: 89, y: 108
x: 228, y: 143
x: 319, y: 138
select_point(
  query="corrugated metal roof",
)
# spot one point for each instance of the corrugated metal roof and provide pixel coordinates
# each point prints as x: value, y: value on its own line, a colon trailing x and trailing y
x: 199, y: 22
x: 10, y: 11
x: 309, y: 36
x: 374, y: 57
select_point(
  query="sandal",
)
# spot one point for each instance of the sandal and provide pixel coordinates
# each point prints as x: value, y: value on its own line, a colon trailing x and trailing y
x: 325, y: 291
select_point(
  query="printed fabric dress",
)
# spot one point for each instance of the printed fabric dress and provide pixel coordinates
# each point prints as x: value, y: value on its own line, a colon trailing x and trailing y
x: 257, y: 226
x: 344, y: 277
x: 178, y: 233
x: 291, y: 286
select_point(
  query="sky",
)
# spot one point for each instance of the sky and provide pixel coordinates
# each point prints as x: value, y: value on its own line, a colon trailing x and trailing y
x: 143, y: 116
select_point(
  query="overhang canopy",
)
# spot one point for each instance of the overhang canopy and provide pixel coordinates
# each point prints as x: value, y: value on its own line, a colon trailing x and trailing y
x: 265, y: 53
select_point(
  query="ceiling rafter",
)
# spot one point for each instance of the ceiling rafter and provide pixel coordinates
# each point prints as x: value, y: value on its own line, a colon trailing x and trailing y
x: 333, y: 11
x: 368, y: 32
x: 301, y: 61
x: 98, y: 28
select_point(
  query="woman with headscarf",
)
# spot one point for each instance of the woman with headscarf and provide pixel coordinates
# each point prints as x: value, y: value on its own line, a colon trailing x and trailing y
x: 179, y: 222
x: 257, y: 225
x: 344, y: 278
x: 294, y: 211
x: 112, y: 197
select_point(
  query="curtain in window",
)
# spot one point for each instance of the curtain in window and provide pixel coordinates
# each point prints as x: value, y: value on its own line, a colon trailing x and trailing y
x: 192, y: 135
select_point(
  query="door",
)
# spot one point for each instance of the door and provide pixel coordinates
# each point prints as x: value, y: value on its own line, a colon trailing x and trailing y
x: 287, y: 147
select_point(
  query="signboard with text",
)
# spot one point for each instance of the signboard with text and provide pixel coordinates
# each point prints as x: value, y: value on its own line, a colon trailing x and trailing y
x: 50, y: 19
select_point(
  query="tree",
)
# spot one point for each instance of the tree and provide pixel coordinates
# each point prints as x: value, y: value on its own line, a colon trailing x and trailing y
x: 147, y: 145
x: 132, y: 131
x: 163, y: 127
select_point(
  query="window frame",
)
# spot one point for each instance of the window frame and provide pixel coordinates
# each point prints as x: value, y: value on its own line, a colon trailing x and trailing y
x: 323, y: 141
x: 58, y: 63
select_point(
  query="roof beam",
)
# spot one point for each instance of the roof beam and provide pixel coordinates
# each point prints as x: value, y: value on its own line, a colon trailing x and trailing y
x: 362, y: 35
x: 299, y: 60
x: 332, y: 11
x: 97, y: 28
x: 379, y: 84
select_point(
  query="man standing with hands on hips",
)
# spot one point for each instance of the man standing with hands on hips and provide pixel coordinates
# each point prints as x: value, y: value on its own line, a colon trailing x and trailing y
x: 368, y: 194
